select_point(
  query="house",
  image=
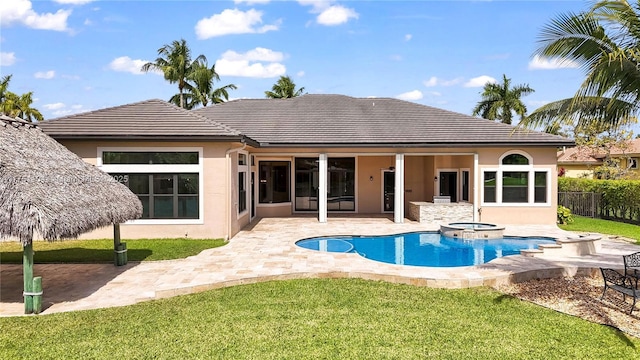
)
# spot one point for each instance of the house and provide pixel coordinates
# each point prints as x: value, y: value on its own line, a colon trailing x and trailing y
x: 209, y: 172
x: 581, y: 161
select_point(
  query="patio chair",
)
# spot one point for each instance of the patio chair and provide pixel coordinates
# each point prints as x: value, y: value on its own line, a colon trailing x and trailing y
x: 632, y: 266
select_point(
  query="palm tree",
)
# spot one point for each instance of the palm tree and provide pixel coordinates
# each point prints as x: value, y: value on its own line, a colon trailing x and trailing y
x: 174, y: 60
x: 500, y: 101
x: 284, y: 88
x: 201, y: 92
x: 604, y: 42
x: 17, y: 106
x: 23, y: 108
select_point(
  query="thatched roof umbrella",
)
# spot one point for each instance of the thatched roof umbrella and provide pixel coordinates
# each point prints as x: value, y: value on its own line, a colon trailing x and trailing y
x: 48, y: 191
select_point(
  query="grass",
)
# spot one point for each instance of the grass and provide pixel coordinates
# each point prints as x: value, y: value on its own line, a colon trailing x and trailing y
x: 601, y: 226
x: 93, y: 251
x: 317, y: 319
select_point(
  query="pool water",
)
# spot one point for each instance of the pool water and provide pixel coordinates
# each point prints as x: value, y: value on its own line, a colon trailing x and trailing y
x: 425, y: 248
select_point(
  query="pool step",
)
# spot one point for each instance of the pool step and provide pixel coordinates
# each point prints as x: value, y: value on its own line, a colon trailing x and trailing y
x: 580, y: 245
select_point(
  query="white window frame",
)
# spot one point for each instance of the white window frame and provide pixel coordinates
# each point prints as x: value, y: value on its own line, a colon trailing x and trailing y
x: 243, y: 169
x: 530, y: 169
x: 159, y: 168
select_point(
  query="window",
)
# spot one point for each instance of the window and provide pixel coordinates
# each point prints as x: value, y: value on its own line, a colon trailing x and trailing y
x: 633, y: 163
x: 274, y: 182
x: 465, y: 185
x: 242, y: 191
x: 164, y: 196
x: 150, y: 158
x: 515, y: 159
x: 168, y: 181
x: 515, y: 186
x: 516, y: 181
x: 489, y: 186
x: 242, y: 182
x: 541, y: 187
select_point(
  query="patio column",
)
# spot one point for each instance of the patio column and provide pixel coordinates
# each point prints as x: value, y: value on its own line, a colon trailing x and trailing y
x: 398, y: 203
x: 322, y: 188
x: 476, y: 188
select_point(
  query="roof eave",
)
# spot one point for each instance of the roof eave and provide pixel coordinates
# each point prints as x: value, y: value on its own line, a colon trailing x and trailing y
x: 189, y: 138
x: 416, y: 145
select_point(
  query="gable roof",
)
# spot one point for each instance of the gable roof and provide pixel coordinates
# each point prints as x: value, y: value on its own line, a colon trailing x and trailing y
x: 338, y: 120
x: 154, y: 118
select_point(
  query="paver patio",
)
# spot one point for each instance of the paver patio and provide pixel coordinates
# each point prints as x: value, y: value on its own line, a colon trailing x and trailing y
x: 266, y: 250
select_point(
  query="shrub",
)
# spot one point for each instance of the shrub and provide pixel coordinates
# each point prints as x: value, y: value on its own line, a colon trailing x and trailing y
x: 564, y: 215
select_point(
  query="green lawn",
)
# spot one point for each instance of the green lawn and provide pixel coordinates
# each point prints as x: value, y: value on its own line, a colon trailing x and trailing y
x: 604, y: 227
x: 92, y: 251
x: 317, y: 319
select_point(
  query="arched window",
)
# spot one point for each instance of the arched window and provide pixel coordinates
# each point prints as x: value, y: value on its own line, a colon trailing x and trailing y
x: 515, y: 159
x: 516, y: 181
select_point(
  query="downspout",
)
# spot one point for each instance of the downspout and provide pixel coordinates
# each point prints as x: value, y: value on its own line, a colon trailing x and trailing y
x: 229, y: 199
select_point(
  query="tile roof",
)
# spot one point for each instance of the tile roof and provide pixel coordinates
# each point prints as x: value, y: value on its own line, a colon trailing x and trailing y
x: 146, y: 119
x: 338, y: 120
x: 308, y: 120
x: 587, y: 155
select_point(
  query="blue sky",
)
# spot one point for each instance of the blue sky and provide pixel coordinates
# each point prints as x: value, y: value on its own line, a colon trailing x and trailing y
x: 81, y: 55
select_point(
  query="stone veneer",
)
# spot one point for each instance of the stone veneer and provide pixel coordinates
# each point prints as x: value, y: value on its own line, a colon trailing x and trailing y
x: 428, y: 212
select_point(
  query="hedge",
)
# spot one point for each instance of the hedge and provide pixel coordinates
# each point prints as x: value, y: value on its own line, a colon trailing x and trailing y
x: 620, y: 198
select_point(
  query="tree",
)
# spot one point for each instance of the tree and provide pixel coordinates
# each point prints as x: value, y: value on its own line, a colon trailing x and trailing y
x: 23, y: 108
x: 201, y: 91
x: 284, y: 88
x: 604, y: 42
x: 174, y: 60
x: 500, y: 101
x: 14, y: 105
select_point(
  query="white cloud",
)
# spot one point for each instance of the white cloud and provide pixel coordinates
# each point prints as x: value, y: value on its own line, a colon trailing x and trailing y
x: 73, y: 2
x: 336, y: 15
x: 256, y: 63
x: 479, y: 81
x: 62, y: 109
x: 127, y: 64
x: 410, y: 96
x: 541, y: 63
x: 251, y: 2
x: 257, y: 54
x: 329, y: 14
x: 233, y: 21
x: 408, y: 37
x: 300, y: 74
x: 7, y: 58
x: 538, y: 103
x: 20, y: 11
x: 435, y: 93
x: 435, y: 81
x: 396, y: 57
x: 45, y: 74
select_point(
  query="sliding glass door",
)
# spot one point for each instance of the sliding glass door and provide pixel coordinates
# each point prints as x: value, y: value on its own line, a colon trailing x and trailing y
x: 341, y: 184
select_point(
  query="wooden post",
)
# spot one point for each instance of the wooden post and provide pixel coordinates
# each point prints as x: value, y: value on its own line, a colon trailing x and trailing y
x: 37, y: 299
x: 116, y: 243
x: 27, y: 274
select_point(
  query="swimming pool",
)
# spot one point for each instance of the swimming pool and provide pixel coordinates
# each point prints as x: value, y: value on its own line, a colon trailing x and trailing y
x: 425, y: 248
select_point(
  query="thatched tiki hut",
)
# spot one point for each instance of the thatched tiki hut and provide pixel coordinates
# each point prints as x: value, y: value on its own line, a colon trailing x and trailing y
x: 49, y: 192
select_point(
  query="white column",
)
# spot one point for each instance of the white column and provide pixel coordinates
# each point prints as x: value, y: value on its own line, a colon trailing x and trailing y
x: 477, y: 185
x: 322, y: 188
x: 398, y: 205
